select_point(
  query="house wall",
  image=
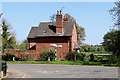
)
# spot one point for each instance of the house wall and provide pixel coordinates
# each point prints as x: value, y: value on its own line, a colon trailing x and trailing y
x: 46, y: 43
x: 72, y: 38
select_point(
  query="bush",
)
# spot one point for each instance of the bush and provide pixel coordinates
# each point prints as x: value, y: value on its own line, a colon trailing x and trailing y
x: 91, y: 57
x: 44, y: 55
x: 9, y: 57
x: 25, y: 56
x: 71, y: 56
x: 80, y: 56
x: 113, y: 60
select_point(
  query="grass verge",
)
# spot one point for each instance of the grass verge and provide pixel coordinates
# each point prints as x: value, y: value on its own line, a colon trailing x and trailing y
x: 63, y: 62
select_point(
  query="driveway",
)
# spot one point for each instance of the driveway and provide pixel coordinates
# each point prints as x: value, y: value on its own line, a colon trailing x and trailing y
x: 61, y: 71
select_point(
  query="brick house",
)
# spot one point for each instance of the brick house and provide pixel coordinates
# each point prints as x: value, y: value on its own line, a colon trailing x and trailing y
x: 60, y: 36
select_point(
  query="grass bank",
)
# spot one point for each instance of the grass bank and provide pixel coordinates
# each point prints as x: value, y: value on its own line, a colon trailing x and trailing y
x: 63, y: 63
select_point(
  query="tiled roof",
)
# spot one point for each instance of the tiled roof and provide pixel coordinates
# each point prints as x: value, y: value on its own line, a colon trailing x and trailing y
x: 47, y: 29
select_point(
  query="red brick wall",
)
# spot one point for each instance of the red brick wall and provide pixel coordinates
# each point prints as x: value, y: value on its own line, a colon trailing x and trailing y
x: 72, y: 38
x: 59, y: 29
x: 34, y: 54
x: 59, y: 23
x: 45, y: 43
x: 59, y: 20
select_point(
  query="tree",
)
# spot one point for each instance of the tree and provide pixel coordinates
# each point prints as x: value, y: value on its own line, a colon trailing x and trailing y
x: 12, y: 43
x: 115, y: 35
x: 85, y: 48
x: 80, y: 30
x: 115, y: 13
x: 23, y: 45
x: 111, y: 42
x: 52, y: 18
x: 8, y: 40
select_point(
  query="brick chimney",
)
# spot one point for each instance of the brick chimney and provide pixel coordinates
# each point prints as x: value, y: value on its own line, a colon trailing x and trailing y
x: 65, y: 19
x: 59, y: 22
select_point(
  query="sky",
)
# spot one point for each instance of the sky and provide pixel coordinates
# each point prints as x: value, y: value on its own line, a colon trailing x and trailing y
x: 93, y: 16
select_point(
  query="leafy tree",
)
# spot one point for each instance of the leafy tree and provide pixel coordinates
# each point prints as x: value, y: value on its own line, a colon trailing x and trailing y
x: 98, y: 49
x: 8, y: 40
x: 12, y: 42
x: 23, y: 45
x: 85, y: 47
x: 111, y: 42
x: 101, y: 48
x: 80, y: 30
x: 115, y: 12
x: 52, y: 18
x: 114, y: 39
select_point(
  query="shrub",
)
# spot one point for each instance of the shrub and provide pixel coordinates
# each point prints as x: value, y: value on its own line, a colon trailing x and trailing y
x: 113, y: 59
x: 24, y: 56
x: 44, y: 55
x: 91, y: 57
x: 9, y: 57
x: 71, y: 56
x: 80, y: 56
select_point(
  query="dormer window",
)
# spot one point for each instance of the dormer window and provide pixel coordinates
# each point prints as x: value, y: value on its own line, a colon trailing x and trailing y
x: 44, y: 32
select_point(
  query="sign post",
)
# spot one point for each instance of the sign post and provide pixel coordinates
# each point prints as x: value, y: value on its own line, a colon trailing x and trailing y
x: 56, y: 49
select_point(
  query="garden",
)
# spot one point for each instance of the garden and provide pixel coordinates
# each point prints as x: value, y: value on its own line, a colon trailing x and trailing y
x: 72, y: 58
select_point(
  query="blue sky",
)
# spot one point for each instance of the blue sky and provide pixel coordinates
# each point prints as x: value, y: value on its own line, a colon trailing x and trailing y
x: 93, y: 16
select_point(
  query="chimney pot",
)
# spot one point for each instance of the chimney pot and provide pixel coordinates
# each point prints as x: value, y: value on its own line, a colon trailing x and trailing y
x: 66, y: 19
x: 57, y: 11
x: 60, y: 11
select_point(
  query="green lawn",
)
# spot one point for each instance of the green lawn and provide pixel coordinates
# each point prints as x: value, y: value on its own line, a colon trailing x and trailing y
x: 62, y: 62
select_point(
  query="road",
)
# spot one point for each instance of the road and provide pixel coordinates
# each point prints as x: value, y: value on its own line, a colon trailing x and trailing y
x: 61, y: 71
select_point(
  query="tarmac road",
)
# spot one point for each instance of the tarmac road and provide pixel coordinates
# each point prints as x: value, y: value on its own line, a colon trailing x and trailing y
x: 61, y: 71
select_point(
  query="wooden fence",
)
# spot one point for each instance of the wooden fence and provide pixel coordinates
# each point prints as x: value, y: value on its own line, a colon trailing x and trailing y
x: 97, y: 57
